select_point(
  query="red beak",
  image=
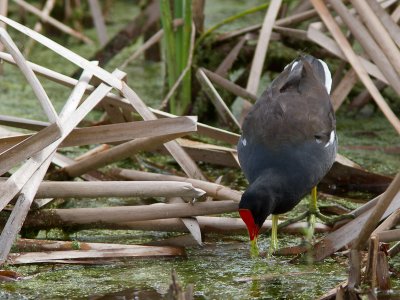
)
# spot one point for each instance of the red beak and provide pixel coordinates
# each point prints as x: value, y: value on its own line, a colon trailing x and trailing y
x: 248, y: 219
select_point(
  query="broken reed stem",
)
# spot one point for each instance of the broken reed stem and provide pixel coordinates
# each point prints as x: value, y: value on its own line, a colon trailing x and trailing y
x: 217, y: 191
x: 116, y: 189
x: 350, y: 231
x: 377, y: 213
x: 390, y: 222
x: 29, y: 146
x: 372, y: 260
x: 389, y: 236
x: 19, y: 179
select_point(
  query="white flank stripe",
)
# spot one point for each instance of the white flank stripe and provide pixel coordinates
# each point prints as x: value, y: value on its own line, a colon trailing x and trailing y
x: 331, y: 139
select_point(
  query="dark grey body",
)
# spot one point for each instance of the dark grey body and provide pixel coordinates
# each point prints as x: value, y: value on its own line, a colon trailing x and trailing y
x: 288, y: 142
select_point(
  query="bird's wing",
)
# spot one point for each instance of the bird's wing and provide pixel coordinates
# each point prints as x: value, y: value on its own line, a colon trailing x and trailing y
x: 295, y: 108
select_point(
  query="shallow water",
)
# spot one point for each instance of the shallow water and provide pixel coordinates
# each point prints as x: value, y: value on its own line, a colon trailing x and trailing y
x: 215, y: 270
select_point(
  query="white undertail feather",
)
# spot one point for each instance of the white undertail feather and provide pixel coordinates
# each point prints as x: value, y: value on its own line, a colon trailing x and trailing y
x: 328, y: 76
x: 294, y: 64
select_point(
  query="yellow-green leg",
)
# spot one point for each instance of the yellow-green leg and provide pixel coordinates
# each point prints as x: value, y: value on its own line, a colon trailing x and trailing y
x: 274, y: 234
x: 254, y: 252
x: 313, y: 209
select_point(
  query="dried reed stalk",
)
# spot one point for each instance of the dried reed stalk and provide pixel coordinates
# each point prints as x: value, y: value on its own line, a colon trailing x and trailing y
x: 76, y: 216
x: 372, y: 48
x: 76, y: 59
x: 210, y: 153
x: 229, y: 85
x: 98, y: 21
x: 213, y: 132
x: 287, y: 21
x: 22, y: 123
x: 343, y: 89
x: 390, y: 25
x: 117, y: 153
x: 262, y: 46
x: 217, y: 191
x: 70, y: 255
x: 355, y: 62
x: 25, y: 245
x: 350, y: 231
x: 207, y: 130
x: 378, y: 31
x: 223, y: 225
x: 389, y: 223
x: 228, y: 61
x: 103, y: 133
x: 27, y: 147
x: 47, y: 19
x: 47, y: 8
x: 117, y: 189
x: 379, y: 210
x: 181, y: 157
x: 28, y: 177
x: 221, y: 107
x: 389, y: 236
x: 29, y: 75
x: 332, y: 46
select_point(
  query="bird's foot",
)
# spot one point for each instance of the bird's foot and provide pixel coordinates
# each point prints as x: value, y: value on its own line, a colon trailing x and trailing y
x: 331, y: 220
x: 293, y: 220
x: 312, y: 216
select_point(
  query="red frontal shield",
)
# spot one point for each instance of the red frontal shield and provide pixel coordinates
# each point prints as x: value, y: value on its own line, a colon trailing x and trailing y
x: 248, y: 219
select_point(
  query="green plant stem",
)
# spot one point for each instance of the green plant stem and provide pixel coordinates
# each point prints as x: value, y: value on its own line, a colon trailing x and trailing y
x: 229, y: 20
x: 166, y: 21
x: 187, y: 80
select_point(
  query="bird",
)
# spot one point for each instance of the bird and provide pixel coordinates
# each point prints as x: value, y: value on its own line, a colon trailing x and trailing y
x: 288, y: 144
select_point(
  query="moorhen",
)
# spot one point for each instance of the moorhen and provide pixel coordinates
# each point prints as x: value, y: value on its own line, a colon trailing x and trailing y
x: 288, y: 144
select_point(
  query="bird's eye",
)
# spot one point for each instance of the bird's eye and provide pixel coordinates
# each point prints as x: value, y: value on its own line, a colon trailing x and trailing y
x: 318, y: 139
